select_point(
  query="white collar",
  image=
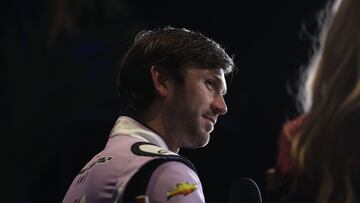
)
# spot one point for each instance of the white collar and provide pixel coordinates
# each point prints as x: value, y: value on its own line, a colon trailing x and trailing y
x: 130, y: 127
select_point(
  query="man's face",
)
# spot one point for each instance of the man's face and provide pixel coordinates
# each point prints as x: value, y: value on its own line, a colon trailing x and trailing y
x: 193, y: 108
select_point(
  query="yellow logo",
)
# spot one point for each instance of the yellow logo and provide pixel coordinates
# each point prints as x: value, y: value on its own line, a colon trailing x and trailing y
x: 183, y: 188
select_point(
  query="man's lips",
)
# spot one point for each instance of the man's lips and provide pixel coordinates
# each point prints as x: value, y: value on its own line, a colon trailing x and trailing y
x: 211, y: 119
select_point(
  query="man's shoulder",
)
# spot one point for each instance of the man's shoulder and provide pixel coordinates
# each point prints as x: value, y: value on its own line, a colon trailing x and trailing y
x: 160, y: 156
x: 143, y: 157
x: 162, y: 175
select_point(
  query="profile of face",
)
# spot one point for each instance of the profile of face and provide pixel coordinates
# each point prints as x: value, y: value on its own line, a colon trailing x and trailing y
x: 194, y: 106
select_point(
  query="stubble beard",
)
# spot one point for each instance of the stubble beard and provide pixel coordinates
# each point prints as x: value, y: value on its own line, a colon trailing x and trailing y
x: 182, y: 123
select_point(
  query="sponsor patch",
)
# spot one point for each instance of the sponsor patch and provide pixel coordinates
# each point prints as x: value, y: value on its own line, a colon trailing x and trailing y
x: 149, y: 149
x: 183, y: 188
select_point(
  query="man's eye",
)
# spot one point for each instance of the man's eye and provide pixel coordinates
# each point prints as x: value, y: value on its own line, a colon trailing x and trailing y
x: 210, y: 84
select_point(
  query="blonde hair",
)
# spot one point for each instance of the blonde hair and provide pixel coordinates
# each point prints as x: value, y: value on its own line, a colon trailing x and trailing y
x: 325, y: 153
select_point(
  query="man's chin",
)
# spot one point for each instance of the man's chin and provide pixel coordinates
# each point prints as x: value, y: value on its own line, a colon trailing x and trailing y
x: 201, y: 141
x: 206, y: 143
x: 205, y: 139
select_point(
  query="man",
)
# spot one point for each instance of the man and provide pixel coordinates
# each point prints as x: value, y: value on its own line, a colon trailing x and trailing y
x: 171, y: 84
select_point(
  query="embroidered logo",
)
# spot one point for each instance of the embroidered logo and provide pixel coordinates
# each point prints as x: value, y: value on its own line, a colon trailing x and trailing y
x: 183, y: 188
x: 100, y: 160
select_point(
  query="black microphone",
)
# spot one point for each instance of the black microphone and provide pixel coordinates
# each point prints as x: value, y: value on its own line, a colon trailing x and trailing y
x: 245, y: 190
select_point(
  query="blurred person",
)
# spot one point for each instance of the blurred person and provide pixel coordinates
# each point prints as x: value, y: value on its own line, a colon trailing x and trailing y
x: 319, y: 157
x: 171, y: 85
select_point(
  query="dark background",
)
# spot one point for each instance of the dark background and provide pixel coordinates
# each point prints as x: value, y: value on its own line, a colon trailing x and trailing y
x: 58, y: 99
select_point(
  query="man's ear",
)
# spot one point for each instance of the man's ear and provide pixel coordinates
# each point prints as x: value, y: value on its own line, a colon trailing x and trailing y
x: 160, y: 80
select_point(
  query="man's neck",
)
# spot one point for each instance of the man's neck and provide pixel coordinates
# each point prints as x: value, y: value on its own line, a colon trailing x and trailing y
x: 154, y: 118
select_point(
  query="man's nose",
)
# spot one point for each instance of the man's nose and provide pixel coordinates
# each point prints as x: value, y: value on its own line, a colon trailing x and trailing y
x: 219, y: 105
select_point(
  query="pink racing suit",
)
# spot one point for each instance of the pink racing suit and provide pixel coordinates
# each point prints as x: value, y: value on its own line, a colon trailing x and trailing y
x: 136, y: 161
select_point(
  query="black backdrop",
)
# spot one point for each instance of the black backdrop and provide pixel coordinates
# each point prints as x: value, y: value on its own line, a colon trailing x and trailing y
x: 58, y: 98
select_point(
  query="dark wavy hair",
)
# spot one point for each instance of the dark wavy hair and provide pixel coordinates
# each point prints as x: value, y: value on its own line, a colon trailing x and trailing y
x: 173, y: 49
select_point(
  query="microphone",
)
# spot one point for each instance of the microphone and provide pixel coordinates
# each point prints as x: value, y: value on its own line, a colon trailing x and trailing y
x: 245, y: 190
